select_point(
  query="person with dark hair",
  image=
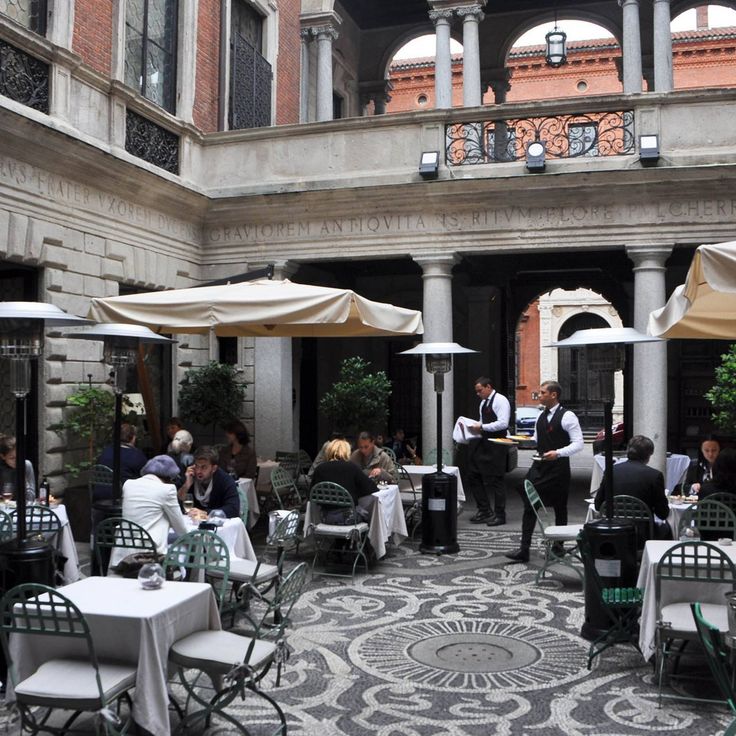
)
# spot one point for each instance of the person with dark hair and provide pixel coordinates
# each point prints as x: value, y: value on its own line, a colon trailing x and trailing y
x: 375, y: 463
x: 211, y: 487
x: 172, y: 427
x: 403, y: 448
x: 635, y: 478
x: 487, y: 460
x: 558, y: 436
x: 8, y: 471
x: 131, y: 458
x: 724, y: 475
x: 238, y: 458
x: 701, y: 469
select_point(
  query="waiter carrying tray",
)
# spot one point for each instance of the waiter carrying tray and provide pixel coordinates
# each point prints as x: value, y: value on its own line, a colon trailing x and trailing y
x: 558, y: 437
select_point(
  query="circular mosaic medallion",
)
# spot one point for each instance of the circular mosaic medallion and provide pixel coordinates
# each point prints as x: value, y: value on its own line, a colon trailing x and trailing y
x: 471, y: 654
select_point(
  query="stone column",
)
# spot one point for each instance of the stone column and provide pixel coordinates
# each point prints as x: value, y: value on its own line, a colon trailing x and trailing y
x: 437, y: 315
x: 472, y: 15
x: 650, y: 359
x: 663, y: 78
x: 443, y: 59
x: 376, y: 92
x: 306, y: 37
x: 500, y: 87
x: 632, y: 47
x: 325, y: 36
x: 273, y: 387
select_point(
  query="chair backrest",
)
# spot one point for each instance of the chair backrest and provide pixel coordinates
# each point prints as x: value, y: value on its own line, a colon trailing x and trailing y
x: 693, y: 562
x: 119, y: 532
x: 99, y: 480
x: 430, y: 458
x: 289, y: 590
x: 39, y: 520
x: 39, y: 610
x: 544, y: 517
x: 6, y: 526
x: 283, y: 486
x: 305, y: 462
x: 244, y: 506
x: 204, y: 558
x: 288, y: 461
x: 727, y: 499
x: 717, y: 654
x: 390, y: 453
x: 634, y: 509
x: 710, y: 516
x: 406, y: 484
x: 331, y: 494
x: 286, y: 530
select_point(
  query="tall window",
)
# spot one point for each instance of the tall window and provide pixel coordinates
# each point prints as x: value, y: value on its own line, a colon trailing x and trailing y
x: 29, y: 13
x: 150, y: 49
x: 250, y: 73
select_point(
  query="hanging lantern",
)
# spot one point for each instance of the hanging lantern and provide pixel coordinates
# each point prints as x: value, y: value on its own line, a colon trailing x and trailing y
x: 556, y: 46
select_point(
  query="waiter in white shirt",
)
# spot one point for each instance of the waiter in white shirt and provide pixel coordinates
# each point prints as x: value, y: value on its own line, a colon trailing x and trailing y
x: 486, y: 460
x: 558, y: 436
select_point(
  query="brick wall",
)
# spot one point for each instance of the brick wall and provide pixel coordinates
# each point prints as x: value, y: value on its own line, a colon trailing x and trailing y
x: 93, y: 33
x: 289, y: 63
x: 206, y: 95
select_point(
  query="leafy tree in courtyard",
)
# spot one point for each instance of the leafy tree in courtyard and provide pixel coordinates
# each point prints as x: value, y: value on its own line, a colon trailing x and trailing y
x: 722, y: 396
x: 358, y: 399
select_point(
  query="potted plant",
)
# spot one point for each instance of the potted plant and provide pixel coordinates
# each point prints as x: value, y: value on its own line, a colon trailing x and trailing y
x: 722, y: 397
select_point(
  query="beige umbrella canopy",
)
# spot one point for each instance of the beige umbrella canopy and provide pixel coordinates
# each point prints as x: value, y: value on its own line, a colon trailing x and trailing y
x: 261, y: 308
x: 704, y: 307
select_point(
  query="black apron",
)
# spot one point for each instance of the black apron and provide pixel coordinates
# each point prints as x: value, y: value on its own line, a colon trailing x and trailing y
x: 550, y: 436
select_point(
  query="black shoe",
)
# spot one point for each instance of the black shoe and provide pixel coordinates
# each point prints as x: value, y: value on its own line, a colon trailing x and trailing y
x: 481, y: 517
x: 558, y: 549
x: 520, y: 555
x: 496, y: 521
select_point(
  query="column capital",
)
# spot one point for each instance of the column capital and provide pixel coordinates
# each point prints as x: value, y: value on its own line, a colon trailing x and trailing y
x: 621, y: 3
x: 439, y: 15
x: 434, y: 264
x: 471, y: 12
x: 649, y: 257
x: 320, y: 23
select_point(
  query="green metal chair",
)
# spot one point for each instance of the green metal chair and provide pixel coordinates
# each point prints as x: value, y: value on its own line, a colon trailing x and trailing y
x: 7, y: 531
x: 79, y: 683
x: 681, y: 566
x: 712, y: 519
x: 305, y: 463
x: 719, y: 660
x: 288, y: 461
x: 634, y: 509
x: 285, y: 490
x: 117, y: 532
x: 200, y: 556
x: 244, y: 505
x: 727, y: 499
x: 352, y: 535
x: 554, y: 537
x: 410, y: 499
x: 99, y: 480
x: 388, y: 451
x: 430, y: 457
x: 622, y: 606
x: 285, y: 537
x: 237, y: 663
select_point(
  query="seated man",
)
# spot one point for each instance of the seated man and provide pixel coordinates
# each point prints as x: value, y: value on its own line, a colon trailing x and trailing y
x: 211, y: 487
x: 375, y: 463
x: 636, y: 478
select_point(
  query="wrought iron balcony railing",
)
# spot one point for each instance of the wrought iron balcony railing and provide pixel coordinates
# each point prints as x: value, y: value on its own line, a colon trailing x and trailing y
x: 149, y: 141
x: 565, y: 136
x: 24, y: 78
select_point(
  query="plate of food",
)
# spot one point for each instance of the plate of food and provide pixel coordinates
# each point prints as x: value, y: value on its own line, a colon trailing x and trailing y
x: 502, y: 440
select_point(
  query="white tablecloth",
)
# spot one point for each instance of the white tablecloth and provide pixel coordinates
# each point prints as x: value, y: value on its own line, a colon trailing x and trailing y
x: 689, y: 591
x: 254, y: 511
x: 265, y: 468
x: 673, y: 519
x: 66, y: 545
x: 134, y: 626
x: 386, y: 523
x: 675, y: 470
x: 416, y: 472
x: 236, y: 538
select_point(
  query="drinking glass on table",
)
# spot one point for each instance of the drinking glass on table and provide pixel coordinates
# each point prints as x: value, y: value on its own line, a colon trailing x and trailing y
x: 7, y: 492
x: 188, y: 502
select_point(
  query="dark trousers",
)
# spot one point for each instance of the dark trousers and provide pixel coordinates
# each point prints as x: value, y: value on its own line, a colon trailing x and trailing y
x: 487, y: 490
x: 553, y: 494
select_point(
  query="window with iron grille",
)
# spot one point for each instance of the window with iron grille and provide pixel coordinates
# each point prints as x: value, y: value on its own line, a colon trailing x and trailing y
x: 29, y: 13
x: 23, y: 77
x: 251, y: 76
x: 150, y: 49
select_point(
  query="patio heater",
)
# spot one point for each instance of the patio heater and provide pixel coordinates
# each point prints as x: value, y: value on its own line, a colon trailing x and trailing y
x: 120, y: 351
x: 21, y: 341
x: 612, y: 542
x: 439, y: 490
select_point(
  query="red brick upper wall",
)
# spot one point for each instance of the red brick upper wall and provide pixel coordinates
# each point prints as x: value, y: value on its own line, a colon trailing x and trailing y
x: 206, y: 94
x: 93, y: 33
x: 289, y: 63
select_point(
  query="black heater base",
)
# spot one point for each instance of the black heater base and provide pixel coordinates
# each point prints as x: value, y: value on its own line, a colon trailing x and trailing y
x: 439, y: 514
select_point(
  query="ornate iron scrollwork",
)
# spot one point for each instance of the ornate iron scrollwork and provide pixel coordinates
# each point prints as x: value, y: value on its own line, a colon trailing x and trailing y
x: 24, y: 78
x: 151, y: 142
x: 250, y: 86
x: 565, y: 136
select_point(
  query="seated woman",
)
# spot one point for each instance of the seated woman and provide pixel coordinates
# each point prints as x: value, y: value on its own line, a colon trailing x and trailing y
x: 152, y: 502
x: 8, y: 469
x: 238, y: 458
x: 724, y: 475
x: 180, y: 450
x: 338, y: 468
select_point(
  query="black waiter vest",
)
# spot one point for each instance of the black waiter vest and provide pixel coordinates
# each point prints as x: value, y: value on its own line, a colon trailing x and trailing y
x: 550, y: 434
x: 488, y: 415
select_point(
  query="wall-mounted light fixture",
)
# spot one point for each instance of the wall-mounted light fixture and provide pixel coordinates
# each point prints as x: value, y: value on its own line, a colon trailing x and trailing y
x: 429, y: 164
x: 556, y: 46
x: 535, y: 156
x: 649, y: 149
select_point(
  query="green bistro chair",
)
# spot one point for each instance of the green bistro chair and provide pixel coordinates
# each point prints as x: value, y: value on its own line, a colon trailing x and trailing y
x: 285, y: 537
x: 285, y: 489
x: 711, y: 518
x: 411, y: 500
x: 634, y: 509
x: 431, y: 457
x: 7, y: 531
x: 353, y: 535
x: 120, y: 533
x: 78, y: 683
x: 237, y: 663
x: 244, y: 505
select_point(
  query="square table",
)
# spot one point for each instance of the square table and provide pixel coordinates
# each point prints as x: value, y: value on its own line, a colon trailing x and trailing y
x: 676, y: 466
x: 416, y: 472
x: 132, y: 626
x: 235, y: 536
x: 654, y: 550
x: 677, y: 509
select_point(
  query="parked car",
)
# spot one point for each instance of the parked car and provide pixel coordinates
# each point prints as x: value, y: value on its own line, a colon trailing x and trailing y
x: 526, y: 419
x: 619, y: 441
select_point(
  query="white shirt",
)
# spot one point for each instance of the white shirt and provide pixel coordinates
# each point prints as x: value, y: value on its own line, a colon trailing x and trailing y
x: 502, y: 408
x: 571, y: 425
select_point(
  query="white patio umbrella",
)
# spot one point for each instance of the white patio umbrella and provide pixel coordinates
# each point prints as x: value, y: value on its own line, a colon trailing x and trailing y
x: 261, y: 308
x: 704, y: 307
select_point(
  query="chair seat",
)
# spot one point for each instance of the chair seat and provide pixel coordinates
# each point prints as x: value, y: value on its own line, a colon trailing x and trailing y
x: 680, y: 618
x: 340, y: 530
x: 243, y: 570
x: 566, y: 533
x: 219, y: 651
x: 71, y: 684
